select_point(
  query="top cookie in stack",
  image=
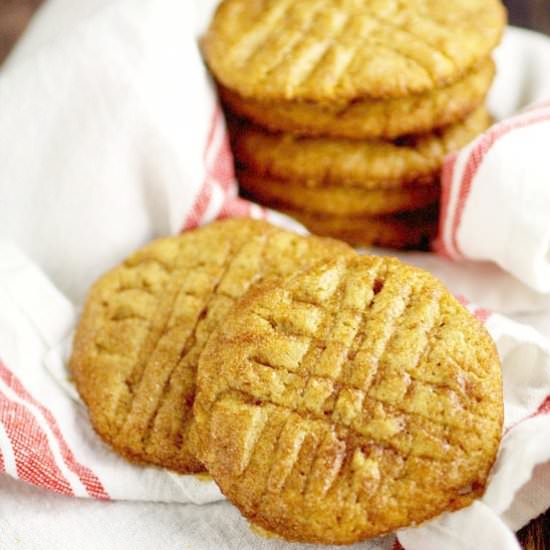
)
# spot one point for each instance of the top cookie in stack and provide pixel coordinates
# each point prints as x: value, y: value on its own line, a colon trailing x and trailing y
x: 380, y: 84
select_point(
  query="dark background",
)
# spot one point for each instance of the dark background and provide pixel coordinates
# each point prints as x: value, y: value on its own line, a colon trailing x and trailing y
x: 534, y: 14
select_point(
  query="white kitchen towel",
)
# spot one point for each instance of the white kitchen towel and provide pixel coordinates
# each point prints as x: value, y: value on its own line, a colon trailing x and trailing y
x: 110, y: 134
x: 495, y: 195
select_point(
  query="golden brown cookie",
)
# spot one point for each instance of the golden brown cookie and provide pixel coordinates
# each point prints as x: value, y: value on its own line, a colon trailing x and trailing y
x: 327, y: 50
x: 146, y: 322
x: 369, y: 164
x: 368, y: 118
x: 406, y: 230
x: 354, y: 399
x: 336, y: 200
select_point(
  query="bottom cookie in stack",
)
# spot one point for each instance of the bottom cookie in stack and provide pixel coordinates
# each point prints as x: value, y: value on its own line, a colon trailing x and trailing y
x: 413, y: 229
x: 366, y: 192
x: 398, y: 218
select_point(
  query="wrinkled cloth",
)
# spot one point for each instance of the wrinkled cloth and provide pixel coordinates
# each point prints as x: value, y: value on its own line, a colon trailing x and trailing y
x: 495, y: 203
x: 111, y: 135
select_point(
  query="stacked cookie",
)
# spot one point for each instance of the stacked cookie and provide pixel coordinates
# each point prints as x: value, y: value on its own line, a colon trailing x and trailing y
x: 345, y: 109
x: 333, y: 397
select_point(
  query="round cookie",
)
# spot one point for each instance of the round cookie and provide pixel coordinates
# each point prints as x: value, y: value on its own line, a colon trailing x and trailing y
x: 349, y: 163
x: 408, y: 230
x: 146, y: 322
x: 354, y: 399
x: 327, y: 50
x: 337, y: 200
x: 368, y: 118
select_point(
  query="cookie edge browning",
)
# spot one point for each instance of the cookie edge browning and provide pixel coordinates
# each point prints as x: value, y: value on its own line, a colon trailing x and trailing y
x: 410, y: 230
x: 382, y: 119
x: 80, y: 364
x: 319, y: 162
x: 81, y: 367
x: 214, y: 353
x: 336, y: 200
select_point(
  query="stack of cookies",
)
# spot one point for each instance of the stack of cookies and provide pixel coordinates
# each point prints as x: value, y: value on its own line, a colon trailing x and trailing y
x: 344, y: 110
x: 333, y: 397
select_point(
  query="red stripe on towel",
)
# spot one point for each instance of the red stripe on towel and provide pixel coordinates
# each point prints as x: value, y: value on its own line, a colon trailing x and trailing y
x: 544, y: 408
x: 478, y: 153
x: 447, y: 175
x: 90, y: 481
x: 34, y: 460
x: 205, y: 192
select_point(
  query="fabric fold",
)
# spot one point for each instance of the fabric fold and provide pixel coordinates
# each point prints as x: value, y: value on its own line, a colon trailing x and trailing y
x: 111, y: 135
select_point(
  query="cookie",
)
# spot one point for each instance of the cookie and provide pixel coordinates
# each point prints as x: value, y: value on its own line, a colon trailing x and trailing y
x: 330, y: 50
x: 337, y: 200
x: 354, y: 399
x: 368, y: 164
x: 407, y: 230
x: 146, y: 322
x: 368, y: 118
